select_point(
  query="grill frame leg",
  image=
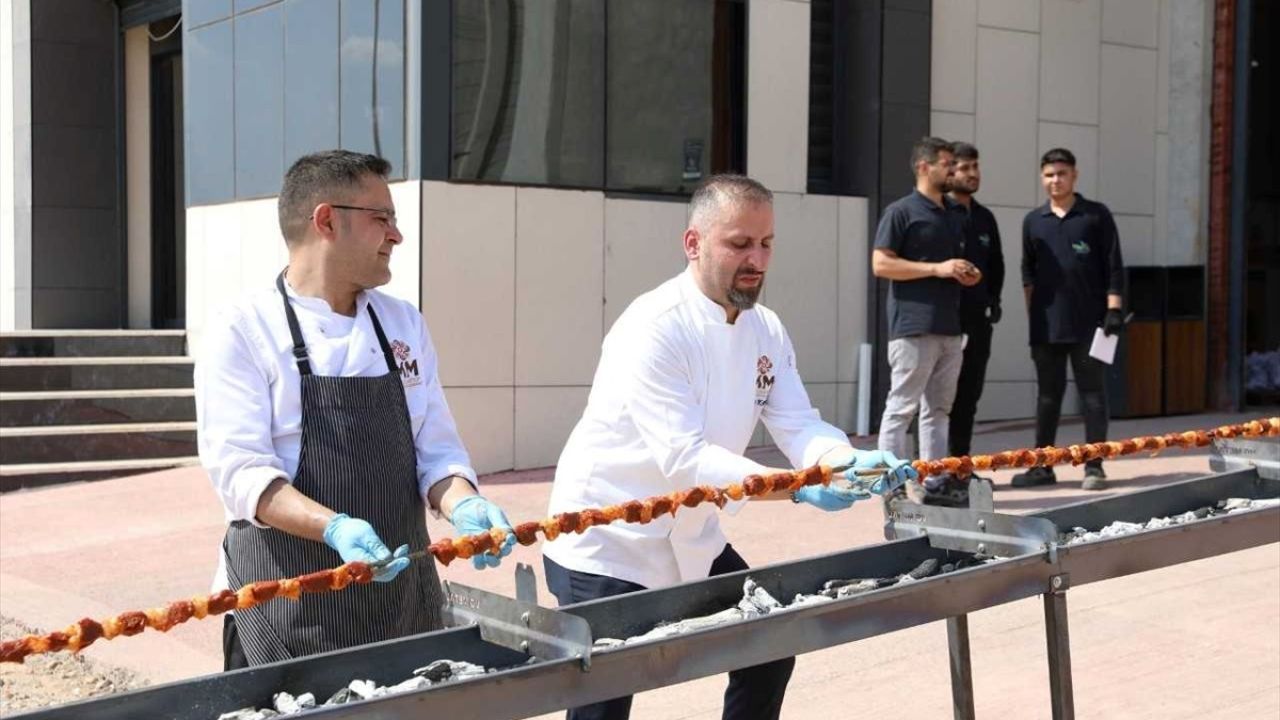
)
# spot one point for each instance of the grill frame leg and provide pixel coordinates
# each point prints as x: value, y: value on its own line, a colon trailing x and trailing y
x: 1058, y: 644
x: 961, y: 669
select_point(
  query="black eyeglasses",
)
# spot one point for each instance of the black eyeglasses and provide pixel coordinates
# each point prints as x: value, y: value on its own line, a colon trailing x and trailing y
x: 389, y: 215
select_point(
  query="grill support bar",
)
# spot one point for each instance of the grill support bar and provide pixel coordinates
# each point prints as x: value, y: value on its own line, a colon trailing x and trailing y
x: 961, y: 669
x: 1058, y: 641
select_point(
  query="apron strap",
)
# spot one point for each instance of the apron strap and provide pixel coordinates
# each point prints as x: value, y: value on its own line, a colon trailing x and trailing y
x: 299, y: 347
x: 382, y: 340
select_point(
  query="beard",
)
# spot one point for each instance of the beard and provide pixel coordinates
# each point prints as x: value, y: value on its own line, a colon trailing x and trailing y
x: 745, y: 298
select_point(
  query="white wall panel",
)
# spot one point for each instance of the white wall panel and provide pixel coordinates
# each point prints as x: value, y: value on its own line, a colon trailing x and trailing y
x: 1009, y: 14
x: 1160, y: 235
x: 468, y: 281
x: 953, y: 55
x: 559, y: 285
x: 1082, y: 141
x: 778, y: 93
x: 1164, y: 58
x: 406, y: 259
x: 1127, y: 147
x: 823, y: 396
x: 1006, y: 118
x: 1131, y: 22
x: 259, y: 240
x: 802, y: 280
x: 485, y: 420
x: 1136, y: 233
x: 642, y: 241
x: 1069, y: 60
x: 853, y: 266
x: 544, y: 418
x: 846, y: 417
x: 952, y: 126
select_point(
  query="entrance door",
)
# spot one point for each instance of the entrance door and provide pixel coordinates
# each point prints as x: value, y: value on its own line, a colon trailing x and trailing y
x: 168, y: 205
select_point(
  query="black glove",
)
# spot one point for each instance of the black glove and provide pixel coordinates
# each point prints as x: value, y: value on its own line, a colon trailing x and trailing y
x: 1113, y: 323
x: 994, y: 313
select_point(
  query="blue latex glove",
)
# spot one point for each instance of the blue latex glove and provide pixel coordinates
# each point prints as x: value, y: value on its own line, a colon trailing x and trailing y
x: 356, y: 540
x: 473, y: 514
x: 827, y: 497
x: 897, y: 472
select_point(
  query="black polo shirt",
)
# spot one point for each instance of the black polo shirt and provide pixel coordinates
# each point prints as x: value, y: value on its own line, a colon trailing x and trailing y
x: 917, y: 229
x: 982, y: 248
x: 1071, y: 263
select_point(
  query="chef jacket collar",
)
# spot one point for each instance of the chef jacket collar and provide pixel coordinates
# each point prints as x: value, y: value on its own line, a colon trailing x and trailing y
x: 320, y: 305
x: 707, y: 309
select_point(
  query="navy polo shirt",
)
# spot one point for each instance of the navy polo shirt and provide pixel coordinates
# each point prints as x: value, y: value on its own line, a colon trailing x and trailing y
x: 917, y: 229
x: 982, y: 248
x: 1071, y: 263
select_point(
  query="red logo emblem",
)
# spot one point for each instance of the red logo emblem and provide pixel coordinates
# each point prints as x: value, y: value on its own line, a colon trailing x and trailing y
x: 763, y: 365
x: 400, y: 349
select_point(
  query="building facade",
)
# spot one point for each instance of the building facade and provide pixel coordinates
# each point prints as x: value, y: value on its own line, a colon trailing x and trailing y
x: 543, y: 152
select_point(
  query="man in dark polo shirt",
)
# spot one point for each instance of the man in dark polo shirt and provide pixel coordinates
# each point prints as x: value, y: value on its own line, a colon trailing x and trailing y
x: 918, y: 249
x: 1073, y: 279
x: 979, y: 304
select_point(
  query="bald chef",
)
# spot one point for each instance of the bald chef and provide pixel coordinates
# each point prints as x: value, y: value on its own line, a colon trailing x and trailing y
x: 685, y: 374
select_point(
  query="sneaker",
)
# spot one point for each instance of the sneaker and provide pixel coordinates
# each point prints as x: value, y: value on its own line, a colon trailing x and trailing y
x: 946, y: 491
x: 1034, y: 477
x: 1094, y: 478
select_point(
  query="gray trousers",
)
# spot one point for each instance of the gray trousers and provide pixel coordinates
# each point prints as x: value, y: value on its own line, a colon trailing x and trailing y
x: 925, y: 371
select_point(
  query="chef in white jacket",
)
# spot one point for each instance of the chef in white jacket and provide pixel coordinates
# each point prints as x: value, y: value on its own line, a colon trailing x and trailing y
x: 684, y: 375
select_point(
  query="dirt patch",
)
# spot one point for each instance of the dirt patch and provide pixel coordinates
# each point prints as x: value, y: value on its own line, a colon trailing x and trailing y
x: 55, y: 678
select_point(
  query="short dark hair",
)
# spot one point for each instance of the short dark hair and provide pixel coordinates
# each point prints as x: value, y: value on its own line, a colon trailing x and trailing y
x: 926, y: 150
x: 965, y: 151
x: 726, y: 188
x: 1058, y: 155
x: 322, y: 177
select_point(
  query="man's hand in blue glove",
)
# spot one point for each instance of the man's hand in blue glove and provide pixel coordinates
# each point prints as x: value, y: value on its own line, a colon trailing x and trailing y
x: 472, y: 515
x: 356, y: 540
x: 827, y: 497
x: 896, y: 472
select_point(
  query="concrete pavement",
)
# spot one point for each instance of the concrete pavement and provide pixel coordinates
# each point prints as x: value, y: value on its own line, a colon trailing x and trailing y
x: 1197, y: 640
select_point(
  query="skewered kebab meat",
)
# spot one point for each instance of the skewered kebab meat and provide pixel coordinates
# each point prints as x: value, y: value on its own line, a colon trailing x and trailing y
x: 82, y: 634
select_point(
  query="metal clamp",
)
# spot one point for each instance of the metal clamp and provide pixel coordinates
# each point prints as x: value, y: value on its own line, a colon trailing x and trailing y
x: 972, y: 531
x: 518, y: 625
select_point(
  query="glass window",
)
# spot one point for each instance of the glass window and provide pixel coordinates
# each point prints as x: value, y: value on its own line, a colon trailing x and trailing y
x: 637, y: 95
x: 259, y: 102
x: 673, y: 71
x: 371, y: 71
x: 210, y: 139
x: 310, y: 77
x: 244, y: 5
x: 528, y: 91
x: 201, y: 12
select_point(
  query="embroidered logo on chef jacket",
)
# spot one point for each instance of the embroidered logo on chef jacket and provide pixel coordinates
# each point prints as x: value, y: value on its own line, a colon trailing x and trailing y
x: 409, y: 374
x: 764, y: 381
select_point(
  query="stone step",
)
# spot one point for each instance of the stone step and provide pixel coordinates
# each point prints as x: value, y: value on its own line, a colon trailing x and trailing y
x: 83, y: 443
x: 92, y: 343
x: 32, y: 475
x: 94, y: 373
x: 96, y: 407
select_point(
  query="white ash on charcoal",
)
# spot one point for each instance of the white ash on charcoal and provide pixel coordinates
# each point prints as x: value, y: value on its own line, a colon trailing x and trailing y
x: 284, y: 704
x: 1120, y: 527
x: 756, y: 601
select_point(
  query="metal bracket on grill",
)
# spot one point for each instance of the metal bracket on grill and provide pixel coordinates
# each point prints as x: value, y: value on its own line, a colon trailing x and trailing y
x: 522, y: 626
x: 973, y: 531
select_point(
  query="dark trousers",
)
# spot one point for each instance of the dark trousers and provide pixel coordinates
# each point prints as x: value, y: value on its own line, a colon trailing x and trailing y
x: 754, y: 692
x: 233, y: 657
x: 973, y: 375
x: 1051, y: 378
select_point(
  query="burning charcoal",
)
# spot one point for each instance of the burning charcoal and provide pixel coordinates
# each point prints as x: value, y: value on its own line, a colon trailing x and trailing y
x: 946, y: 568
x: 1203, y: 512
x: 413, y: 683
x: 364, y: 689
x: 248, y: 714
x: 463, y: 670
x: 756, y: 601
x: 342, y: 697
x: 287, y: 704
x: 924, y: 569
x: 804, y: 600
x: 607, y: 643
x: 437, y: 671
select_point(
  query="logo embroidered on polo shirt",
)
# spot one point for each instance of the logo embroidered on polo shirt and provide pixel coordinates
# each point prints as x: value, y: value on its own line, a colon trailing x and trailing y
x: 1081, y: 247
x: 985, y: 240
x: 764, y: 381
x: 409, y: 374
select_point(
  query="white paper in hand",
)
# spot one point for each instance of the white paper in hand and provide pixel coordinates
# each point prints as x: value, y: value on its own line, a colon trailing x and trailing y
x: 1104, y: 346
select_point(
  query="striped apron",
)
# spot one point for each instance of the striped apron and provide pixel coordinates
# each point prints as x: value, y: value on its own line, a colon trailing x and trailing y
x: 357, y: 456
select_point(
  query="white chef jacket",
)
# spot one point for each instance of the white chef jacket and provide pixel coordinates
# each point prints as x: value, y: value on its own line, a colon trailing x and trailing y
x: 674, y: 402
x: 249, y: 397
